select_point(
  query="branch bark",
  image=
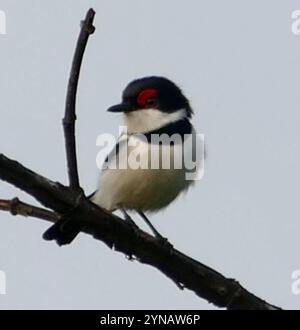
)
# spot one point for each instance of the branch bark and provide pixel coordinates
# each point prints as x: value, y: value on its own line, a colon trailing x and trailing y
x: 108, y: 228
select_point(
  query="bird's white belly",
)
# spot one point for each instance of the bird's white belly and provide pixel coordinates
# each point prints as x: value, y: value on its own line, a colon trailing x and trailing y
x: 139, y: 189
x: 145, y: 189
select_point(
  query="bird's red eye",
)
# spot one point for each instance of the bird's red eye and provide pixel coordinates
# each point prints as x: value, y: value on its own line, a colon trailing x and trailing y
x: 145, y: 95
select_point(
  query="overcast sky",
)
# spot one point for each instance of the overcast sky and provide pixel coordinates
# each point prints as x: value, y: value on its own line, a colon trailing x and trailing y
x: 239, y: 64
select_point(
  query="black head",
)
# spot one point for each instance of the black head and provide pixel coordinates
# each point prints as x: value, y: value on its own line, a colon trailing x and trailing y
x: 152, y: 93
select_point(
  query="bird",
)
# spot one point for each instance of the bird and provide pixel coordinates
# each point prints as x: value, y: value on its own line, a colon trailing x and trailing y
x: 152, y: 106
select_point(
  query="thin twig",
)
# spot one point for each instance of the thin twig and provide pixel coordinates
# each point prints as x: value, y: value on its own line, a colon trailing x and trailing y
x: 69, y: 119
x: 17, y: 207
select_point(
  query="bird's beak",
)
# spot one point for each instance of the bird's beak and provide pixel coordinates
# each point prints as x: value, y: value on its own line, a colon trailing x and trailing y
x: 122, y: 107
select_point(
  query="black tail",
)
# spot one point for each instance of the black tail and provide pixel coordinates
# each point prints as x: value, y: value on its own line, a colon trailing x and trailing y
x: 63, y: 231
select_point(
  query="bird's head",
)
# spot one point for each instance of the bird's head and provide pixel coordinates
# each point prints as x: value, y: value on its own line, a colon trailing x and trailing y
x: 152, y: 102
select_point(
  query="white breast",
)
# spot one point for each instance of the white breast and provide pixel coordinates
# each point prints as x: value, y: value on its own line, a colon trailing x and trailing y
x: 145, y: 189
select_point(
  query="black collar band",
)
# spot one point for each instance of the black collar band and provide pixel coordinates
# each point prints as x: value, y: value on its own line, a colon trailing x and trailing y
x: 180, y: 127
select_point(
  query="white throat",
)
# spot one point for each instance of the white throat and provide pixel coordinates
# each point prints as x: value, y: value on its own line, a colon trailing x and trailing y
x: 142, y: 121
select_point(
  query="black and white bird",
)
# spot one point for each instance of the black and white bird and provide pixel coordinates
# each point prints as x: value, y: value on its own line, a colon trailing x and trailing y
x: 151, y: 106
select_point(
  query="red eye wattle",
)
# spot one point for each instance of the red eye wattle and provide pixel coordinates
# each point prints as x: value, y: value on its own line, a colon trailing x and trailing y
x: 145, y: 95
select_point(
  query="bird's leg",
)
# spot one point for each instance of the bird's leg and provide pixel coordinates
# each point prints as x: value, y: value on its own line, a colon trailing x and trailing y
x: 129, y: 219
x: 153, y: 229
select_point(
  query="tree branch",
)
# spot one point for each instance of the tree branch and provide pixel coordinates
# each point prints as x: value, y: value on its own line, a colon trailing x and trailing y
x: 118, y: 234
x: 69, y: 119
x: 108, y: 228
x: 17, y: 207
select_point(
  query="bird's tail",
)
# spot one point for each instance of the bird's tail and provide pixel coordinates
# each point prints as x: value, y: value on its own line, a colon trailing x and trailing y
x: 65, y: 230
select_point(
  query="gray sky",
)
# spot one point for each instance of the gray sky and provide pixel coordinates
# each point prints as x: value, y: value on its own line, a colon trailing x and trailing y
x: 239, y: 64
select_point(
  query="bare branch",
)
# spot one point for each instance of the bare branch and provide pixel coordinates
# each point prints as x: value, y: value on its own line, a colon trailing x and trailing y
x: 117, y: 233
x: 87, y: 29
x: 17, y: 207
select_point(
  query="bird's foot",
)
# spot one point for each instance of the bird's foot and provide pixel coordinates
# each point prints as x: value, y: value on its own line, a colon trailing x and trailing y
x: 165, y: 242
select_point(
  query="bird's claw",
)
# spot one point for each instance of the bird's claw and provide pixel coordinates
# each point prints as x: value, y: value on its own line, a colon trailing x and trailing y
x: 165, y: 242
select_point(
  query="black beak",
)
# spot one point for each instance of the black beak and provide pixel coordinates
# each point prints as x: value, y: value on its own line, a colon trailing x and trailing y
x: 122, y: 107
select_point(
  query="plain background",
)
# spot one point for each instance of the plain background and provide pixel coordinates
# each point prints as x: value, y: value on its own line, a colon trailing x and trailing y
x: 239, y: 64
